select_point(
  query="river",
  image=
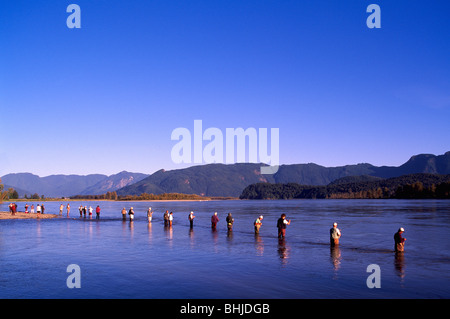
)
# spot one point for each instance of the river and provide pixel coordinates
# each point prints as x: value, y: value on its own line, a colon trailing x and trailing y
x: 136, y: 259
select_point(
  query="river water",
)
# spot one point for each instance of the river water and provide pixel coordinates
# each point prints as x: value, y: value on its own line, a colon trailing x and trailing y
x: 140, y: 260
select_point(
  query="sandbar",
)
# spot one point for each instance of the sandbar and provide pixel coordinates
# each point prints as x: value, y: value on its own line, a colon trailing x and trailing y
x: 22, y: 215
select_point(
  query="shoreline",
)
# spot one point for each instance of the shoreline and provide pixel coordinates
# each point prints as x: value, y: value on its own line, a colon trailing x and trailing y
x: 114, y: 200
x: 22, y: 215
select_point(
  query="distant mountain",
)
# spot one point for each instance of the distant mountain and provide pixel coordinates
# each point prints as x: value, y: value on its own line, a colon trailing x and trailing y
x: 218, y: 179
x: 113, y: 183
x: 205, y: 180
x: 53, y: 185
x: 68, y: 185
x: 231, y: 179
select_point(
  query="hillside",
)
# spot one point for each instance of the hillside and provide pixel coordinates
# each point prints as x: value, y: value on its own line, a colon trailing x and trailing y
x: 421, y: 185
x: 68, y: 185
x: 227, y: 180
x: 205, y: 180
x: 113, y: 183
x: 231, y: 179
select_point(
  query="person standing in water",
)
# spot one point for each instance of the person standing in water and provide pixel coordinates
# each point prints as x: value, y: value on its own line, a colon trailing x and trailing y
x: 191, y: 219
x: 282, y: 225
x: 214, y: 221
x: 166, y: 218
x: 258, y: 223
x: 131, y: 213
x: 170, y: 219
x: 124, y: 214
x: 230, y: 221
x: 399, y: 241
x: 97, y: 212
x: 149, y: 214
x: 335, y: 234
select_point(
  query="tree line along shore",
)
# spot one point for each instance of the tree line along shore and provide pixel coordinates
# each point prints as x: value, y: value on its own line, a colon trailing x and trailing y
x: 413, y: 186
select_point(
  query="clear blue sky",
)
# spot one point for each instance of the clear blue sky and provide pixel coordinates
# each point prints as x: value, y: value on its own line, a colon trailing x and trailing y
x: 106, y: 97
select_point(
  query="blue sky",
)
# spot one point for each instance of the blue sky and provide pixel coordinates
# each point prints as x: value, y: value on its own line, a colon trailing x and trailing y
x: 106, y: 97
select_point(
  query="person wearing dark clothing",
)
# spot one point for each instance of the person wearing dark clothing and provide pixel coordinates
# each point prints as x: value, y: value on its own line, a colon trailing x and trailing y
x: 166, y: 218
x: 131, y: 213
x: 230, y: 221
x: 214, y: 220
x: 399, y: 241
x: 97, y: 212
x: 191, y: 219
x: 282, y: 225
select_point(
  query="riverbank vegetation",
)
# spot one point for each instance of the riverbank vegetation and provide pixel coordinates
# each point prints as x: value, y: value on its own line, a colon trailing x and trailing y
x: 414, y: 186
x: 144, y: 196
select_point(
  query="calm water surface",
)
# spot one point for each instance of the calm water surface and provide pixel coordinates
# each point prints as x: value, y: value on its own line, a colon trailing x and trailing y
x: 140, y: 260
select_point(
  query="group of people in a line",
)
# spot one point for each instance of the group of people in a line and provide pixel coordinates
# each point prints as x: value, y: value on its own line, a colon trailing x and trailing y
x: 282, y: 223
x: 39, y: 209
x: 83, y: 210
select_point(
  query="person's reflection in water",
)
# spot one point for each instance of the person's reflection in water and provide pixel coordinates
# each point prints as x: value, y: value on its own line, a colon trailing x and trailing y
x: 191, y: 237
x: 335, y: 257
x: 259, y: 244
x: 215, y: 237
x: 399, y: 264
x: 131, y: 227
x: 169, y: 235
x: 149, y: 226
x: 229, y: 235
x: 283, y: 251
x: 229, y: 239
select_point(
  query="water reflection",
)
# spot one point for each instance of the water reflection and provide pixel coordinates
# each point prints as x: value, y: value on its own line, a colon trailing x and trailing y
x: 215, y: 237
x: 335, y: 257
x: 229, y: 236
x: 150, y: 236
x: 283, y: 251
x: 259, y: 245
x: 191, y: 237
x: 38, y: 231
x: 131, y: 226
x: 169, y: 235
x: 399, y: 264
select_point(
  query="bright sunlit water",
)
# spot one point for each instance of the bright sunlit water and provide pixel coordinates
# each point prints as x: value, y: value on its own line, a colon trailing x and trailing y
x: 140, y: 260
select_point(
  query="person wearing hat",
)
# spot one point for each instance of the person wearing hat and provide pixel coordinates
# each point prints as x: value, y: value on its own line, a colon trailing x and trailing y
x: 258, y: 223
x: 131, y: 213
x: 166, y: 218
x: 399, y: 241
x: 281, y: 225
x: 149, y: 214
x: 191, y: 219
x: 214, y: 221
x: 230, y: 221
x: 335, y: 234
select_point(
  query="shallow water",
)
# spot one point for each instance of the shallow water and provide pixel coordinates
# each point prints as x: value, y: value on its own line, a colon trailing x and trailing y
x: 140, y: 260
